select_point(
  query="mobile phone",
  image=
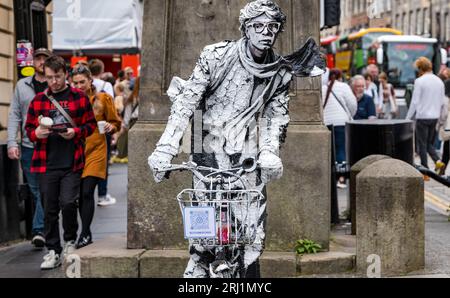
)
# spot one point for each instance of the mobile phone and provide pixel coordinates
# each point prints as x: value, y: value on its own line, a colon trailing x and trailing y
x: 59, y: 129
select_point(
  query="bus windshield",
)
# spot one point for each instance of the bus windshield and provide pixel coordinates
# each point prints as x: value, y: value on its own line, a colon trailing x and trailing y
x: 370, y: 38
x: 400, y: 61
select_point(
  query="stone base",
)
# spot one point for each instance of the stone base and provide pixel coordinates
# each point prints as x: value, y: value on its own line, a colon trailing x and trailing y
x: 154, y: 217
x: 110, y: 258
x: 331, y: 262
x: 163, y: 263
x: 298, y: 204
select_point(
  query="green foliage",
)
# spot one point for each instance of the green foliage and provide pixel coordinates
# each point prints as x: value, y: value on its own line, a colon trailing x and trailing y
x: 306, y: 246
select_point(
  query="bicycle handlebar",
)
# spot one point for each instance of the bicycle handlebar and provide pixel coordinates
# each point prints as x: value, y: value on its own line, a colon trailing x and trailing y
x: 233, y: 174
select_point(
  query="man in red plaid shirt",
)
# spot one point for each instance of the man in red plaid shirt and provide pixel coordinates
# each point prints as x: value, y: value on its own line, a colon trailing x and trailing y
x: 59, y: 154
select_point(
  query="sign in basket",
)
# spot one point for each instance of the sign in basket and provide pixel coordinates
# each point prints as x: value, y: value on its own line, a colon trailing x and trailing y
x: 199, y: 222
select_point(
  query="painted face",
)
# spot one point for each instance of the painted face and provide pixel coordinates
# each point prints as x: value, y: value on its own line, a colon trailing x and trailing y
x: 81, y: 82
x: 56, y: 80
x: 262, y: 32
x: 38, y: 63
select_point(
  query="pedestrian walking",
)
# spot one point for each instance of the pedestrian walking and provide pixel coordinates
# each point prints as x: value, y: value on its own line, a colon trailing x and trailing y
x: 389, y: 108
x: 130, y: 117
x: 97, y: 68
x: 339, y: 107
x: 26, y: 89
x: 58, y: 122
x: 427, y: 107
x: 95, y: 148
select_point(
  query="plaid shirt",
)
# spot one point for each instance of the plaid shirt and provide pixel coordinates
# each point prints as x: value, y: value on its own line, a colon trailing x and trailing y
x: 81, y: 112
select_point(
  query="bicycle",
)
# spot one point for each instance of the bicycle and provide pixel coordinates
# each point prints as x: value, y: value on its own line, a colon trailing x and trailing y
x: 222, y: 217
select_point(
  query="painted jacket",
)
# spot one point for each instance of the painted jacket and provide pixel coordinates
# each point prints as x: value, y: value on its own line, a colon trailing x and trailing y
x: 222, y: 89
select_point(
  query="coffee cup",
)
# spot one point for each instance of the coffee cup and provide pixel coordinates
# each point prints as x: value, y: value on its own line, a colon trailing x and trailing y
x: 101, y: 126
x: 45, y: 122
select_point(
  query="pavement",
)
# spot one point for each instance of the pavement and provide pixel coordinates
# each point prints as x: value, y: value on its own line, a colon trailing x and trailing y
x: 20, y: 260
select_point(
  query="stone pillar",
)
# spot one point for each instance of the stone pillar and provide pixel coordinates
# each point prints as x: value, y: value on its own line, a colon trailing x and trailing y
x: 299, y: 203
x: 354, y: 171
x: 175, y: 31
x: 390, y: 217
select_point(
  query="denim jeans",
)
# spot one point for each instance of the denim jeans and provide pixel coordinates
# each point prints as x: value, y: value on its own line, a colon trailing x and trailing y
x: 339, y: 142
x: 33, y: 183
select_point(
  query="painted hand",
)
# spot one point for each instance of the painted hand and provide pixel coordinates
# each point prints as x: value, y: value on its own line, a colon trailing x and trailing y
x: 271, y: 166
x: 157, y: 162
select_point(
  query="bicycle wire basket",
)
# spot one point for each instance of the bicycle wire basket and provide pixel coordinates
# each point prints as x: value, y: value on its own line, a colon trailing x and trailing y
x: 220, y: 217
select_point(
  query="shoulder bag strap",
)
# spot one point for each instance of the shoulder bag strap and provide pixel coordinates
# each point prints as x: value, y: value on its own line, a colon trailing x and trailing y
x: 343, y: 106
x: 63, y: 112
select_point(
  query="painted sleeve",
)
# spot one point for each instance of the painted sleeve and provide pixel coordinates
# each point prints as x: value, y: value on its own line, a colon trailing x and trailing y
x: 275, y: 121
x: 184, y: 106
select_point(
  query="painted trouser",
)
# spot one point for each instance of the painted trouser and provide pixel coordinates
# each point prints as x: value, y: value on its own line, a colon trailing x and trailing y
x: 33, y: 183
x: 250, y: 219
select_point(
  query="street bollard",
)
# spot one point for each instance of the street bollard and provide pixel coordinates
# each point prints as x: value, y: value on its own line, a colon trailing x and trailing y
x: 354, y: 171
x: 390, y: 218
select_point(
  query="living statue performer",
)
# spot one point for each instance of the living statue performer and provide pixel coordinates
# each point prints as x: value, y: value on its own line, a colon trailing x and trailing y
x: 241, y: 88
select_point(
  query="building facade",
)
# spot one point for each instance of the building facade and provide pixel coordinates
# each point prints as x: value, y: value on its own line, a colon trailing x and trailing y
x: 428, y: 18
x: 7, y: 65
x: 8, y: 72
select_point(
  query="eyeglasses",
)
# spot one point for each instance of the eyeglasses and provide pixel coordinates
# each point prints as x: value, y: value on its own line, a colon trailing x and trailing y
x: 57, y: 77
x: 273, y: 27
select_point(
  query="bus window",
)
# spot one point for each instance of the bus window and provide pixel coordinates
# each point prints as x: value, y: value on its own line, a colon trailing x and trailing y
x: 401, y: 57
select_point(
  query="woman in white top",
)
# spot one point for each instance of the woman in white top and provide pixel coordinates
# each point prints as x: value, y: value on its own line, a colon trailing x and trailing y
x: 389, y: 109
x: 339, y: 107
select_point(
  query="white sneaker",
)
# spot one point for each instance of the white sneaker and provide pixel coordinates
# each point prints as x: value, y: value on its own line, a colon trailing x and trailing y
x: 51, y: 260
x: 69, y: 248
x: 106, y: 200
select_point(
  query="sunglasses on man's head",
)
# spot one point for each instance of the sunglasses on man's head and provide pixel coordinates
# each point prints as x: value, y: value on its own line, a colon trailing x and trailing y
x: 273, y: 27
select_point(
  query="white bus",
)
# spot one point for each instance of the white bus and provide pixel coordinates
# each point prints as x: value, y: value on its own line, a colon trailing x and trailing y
x: 396, y: 54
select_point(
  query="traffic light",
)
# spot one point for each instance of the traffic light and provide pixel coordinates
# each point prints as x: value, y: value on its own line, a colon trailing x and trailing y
x: 330, y: 13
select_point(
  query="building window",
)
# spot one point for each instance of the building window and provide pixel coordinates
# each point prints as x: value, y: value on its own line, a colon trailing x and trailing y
x: 388, y: 6
x: 426, y: 22
x: 404, y: 23
x: 438, y: 25
x: 447, y: 27
x: 411, y: 23
x: 419, y: 25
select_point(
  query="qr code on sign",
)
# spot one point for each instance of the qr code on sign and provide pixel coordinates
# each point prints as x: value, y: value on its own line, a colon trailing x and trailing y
x: 199, y: 220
